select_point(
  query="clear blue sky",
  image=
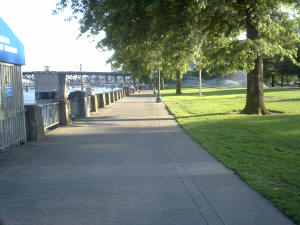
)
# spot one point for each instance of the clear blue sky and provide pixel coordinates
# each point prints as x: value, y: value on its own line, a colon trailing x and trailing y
x: 49, y: 40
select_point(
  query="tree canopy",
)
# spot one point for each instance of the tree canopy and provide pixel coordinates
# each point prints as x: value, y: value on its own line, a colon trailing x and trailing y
x: 270, y: 29
x: 170, y: 34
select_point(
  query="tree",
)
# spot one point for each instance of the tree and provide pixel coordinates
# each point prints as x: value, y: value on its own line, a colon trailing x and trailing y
x: 283, y: 68
x: 270, y: 29
x: 208, y: 30
x: 134, y: 29
x: 278, y: 70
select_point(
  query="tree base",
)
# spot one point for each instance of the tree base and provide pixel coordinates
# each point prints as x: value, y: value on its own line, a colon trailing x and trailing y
x: 256, y: 111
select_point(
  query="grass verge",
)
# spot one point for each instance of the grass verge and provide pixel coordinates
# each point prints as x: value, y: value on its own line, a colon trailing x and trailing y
x: 263, y: 150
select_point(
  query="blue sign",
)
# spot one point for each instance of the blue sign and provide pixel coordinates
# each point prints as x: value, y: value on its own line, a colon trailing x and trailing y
x: 11, y: 48
x: 9, y: 92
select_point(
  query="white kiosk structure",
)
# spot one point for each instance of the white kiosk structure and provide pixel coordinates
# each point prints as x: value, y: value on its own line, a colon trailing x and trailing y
x: 12, y: 114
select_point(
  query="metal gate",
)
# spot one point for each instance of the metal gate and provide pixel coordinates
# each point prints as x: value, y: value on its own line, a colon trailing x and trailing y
x: 12, y: 114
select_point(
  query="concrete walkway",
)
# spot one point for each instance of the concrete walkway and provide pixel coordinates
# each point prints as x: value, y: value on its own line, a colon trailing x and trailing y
x: 130, y: 164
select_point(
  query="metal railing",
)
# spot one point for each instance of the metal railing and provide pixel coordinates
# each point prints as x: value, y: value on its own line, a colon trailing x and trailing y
x: 12, y: 118
x: 50, y: 114
x: 12, y: 131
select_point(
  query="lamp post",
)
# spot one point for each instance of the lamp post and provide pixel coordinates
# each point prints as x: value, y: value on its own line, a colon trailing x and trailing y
x: 154, y: 81
x: 81, y: 78
x: 158, y: 98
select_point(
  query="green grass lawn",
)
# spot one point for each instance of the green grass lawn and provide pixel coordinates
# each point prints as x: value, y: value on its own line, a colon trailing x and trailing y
x: 263, y: 150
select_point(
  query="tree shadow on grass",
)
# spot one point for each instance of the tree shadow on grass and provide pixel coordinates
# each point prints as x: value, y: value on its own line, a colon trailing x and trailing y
x: 202, y: 115
x: 206, y: 92
x: 287, y: 100
x: 280, y: 89
x: 229, y: 91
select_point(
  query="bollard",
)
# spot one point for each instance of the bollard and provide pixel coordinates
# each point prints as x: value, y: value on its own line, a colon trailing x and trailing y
x: 64, y: 112
x: 79, y: 104
x: 112, y: 99
x: 116, y: 96
x: 127, y: 91
x: 119, y: 94
x: 101, y: 100
x: 94, y: 103
x: 107, y: 98
x: 34, y: 123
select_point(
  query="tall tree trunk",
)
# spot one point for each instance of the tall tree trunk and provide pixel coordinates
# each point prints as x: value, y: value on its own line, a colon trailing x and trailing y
x: 273, y: 80
x: 162, y: 83
x: 255, y: 91
x: 200, y: 82
x: 178, y: 82
x: 281, y: 80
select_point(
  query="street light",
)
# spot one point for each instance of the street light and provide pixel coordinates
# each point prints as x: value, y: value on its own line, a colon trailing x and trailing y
x: 158, y: 98
x: 81, y: 78
x: 153, y: 81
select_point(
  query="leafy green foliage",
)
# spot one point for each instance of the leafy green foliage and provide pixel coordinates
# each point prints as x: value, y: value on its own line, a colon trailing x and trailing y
x: 224, y: 21
x: 149, y: 33
x: 172, y: 34
x: 282, y: 68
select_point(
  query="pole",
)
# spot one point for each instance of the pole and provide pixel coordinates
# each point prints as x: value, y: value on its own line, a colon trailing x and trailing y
x: 158, y: 99
x: 200, y: 83
x: 81, y: 79
x: 154, y: 83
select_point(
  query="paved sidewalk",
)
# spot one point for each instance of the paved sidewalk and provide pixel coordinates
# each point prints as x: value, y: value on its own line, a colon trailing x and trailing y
x: 129, y: 164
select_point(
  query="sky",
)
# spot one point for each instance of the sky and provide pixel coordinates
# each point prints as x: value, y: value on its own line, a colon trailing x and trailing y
x: 49, y: 40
